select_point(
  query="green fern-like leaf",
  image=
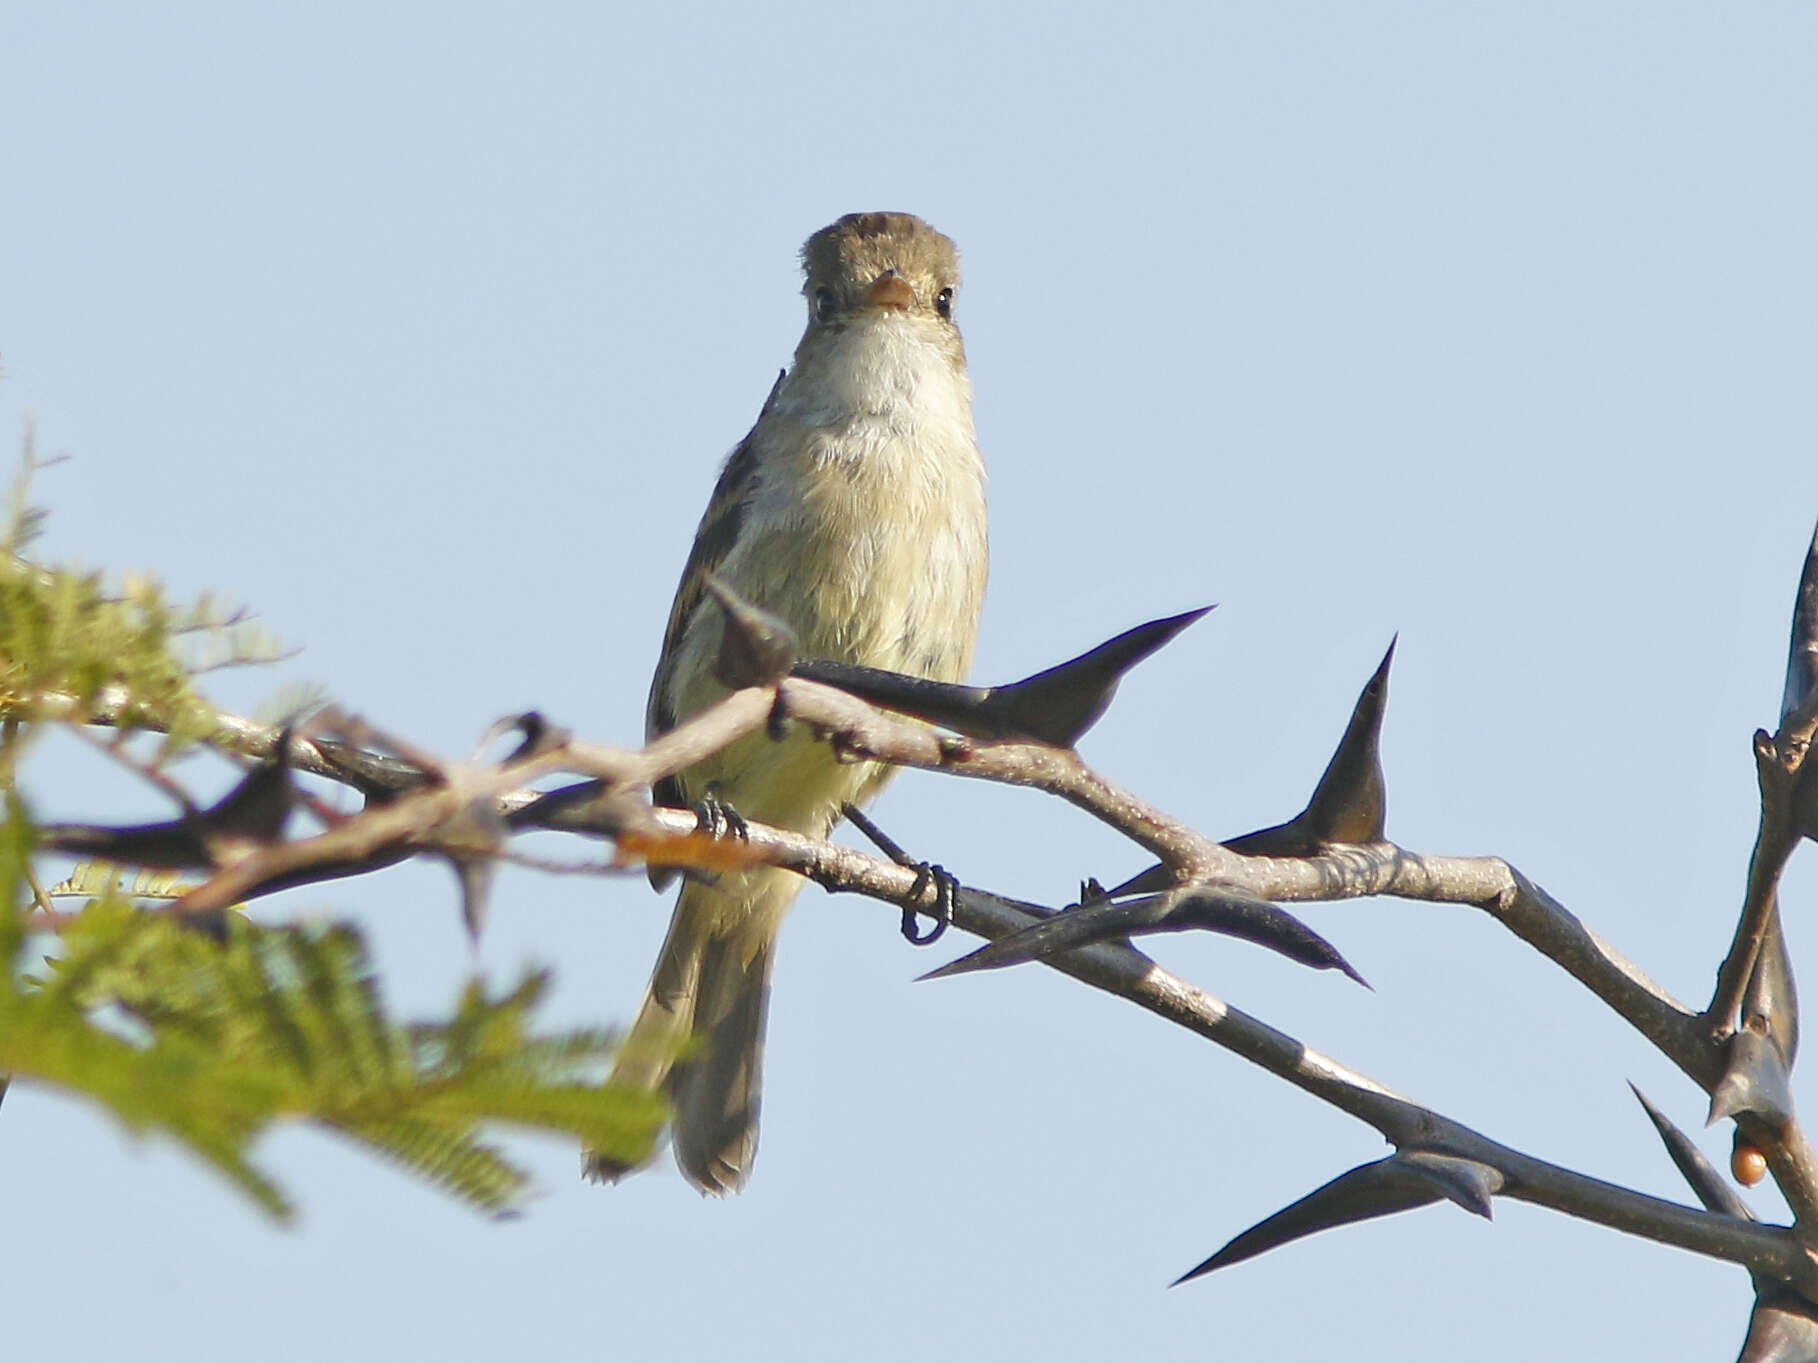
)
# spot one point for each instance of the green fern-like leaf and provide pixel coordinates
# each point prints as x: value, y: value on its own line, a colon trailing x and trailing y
x: 471, y: 1170
x: 210, y: 1038
x: 15, y: 860
x: 66, y: 641
x: 211, y: 1041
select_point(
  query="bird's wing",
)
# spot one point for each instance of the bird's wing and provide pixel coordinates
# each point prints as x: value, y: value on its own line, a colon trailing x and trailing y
x: 718, y: 532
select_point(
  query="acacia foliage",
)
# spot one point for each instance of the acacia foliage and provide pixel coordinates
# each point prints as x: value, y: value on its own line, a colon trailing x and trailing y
x: 210, y: 1034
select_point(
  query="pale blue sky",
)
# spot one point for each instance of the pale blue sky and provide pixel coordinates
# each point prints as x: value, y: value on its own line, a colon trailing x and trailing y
x: 422, y: 328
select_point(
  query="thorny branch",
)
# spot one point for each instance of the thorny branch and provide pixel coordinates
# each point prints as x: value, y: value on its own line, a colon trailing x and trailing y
x: 1334, y: 850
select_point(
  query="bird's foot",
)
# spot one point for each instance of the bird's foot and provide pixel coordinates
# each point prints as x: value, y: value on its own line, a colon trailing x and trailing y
x: 717, y: 819
x: 946, y: 884
x: 946, y: 891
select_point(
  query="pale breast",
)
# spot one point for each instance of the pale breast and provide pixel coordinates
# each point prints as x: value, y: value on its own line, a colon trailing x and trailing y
x: 866, y: 531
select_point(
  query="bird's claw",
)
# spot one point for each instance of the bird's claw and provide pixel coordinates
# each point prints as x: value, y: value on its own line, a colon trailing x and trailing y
x: 946, y: 891
x: 717, y: 819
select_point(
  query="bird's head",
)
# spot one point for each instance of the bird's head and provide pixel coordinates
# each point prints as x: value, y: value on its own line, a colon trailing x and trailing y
x: 871, y: 267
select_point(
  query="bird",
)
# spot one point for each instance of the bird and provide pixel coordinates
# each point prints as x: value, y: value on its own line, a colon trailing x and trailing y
x: 854, y: 511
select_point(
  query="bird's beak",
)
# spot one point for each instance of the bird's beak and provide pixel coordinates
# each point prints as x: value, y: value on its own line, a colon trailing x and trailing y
x: 890, y: 290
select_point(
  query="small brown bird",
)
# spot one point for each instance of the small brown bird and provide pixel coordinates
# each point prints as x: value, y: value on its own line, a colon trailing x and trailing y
x: 855, y: 511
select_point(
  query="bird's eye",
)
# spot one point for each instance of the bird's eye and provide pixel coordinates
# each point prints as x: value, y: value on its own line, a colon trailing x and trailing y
x: 943, y: 303
x: 824, y: 304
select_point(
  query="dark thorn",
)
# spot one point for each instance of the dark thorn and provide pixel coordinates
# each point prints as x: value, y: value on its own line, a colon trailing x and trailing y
x: 173, y: 845
x: 1250, y: 919
x: 1060, y: 932
x: 1056, y: 706
x: 776, y: 723
x: 1399, y: 1183
x: 1350, y: 803
x: 667, y: 794
x: 469, y: 839
x: 342, y: 868
x: 475, y: 876
x: 375, y: 775
x: 1469, y: 1183
x: 543, y: 811
x: 539, y: 734
x: 1770, y: 1003
x: 1754, y: 1081
x: 596, y: 809
x: 948, y: 704
x: 257, y: 809
x: 1154, y: 880
x: 252, y: 814
x: 535, y: 735
x: 1802, y: 650
x: 756, y: 647
x: 1059, y: 705
x: 531, y: 729
x: 1228, y: 912
x: 1799, y: 701
x: 1711, y: 1188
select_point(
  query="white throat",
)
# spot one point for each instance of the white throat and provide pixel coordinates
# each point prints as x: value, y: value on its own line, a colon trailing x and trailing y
x: 881, y: 380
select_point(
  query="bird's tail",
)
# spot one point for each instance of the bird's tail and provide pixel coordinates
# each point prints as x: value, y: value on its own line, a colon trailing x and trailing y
x: 700, y: 1032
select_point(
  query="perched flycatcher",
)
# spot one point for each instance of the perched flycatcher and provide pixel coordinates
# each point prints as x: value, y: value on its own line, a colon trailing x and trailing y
x: 855, y: 511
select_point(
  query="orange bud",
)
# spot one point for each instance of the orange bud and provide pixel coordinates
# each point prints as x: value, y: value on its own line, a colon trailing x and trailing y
x: 1748, y: 1164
